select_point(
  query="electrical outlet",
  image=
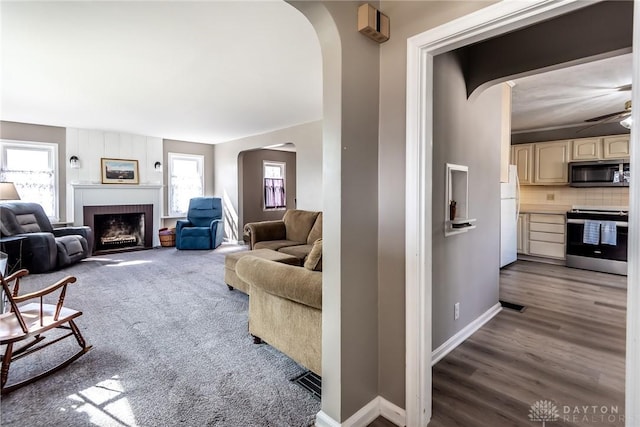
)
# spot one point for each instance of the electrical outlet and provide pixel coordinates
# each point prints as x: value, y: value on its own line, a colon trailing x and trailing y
x: 551, y: 196
x: 456, y: 311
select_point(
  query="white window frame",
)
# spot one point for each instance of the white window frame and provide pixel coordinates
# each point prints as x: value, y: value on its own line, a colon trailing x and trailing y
x: 181, y: 156
x: 283, y: 168
x: 52, y: 150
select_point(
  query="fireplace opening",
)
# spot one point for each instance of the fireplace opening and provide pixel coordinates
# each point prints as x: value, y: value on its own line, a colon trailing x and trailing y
x: 119, y: 231
x: 120, y: 228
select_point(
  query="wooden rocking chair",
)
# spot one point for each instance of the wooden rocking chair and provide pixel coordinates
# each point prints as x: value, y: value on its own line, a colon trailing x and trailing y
x: 30, y: 321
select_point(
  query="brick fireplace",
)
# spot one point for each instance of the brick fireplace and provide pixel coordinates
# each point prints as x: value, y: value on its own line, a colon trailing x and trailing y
x: 123, y: 217
x: 120, y: 227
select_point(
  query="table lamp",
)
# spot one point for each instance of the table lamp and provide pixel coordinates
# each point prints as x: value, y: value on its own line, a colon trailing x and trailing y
x: 8, y: 191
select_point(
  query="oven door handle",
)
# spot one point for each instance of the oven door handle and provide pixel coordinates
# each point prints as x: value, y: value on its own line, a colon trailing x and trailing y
x: 581, y: 221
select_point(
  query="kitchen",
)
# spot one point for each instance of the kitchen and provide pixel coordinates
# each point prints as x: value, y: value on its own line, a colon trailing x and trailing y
x: 573, y: 171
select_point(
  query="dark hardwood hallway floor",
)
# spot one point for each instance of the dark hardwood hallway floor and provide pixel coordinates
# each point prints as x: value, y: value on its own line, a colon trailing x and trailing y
x: 567, y: 348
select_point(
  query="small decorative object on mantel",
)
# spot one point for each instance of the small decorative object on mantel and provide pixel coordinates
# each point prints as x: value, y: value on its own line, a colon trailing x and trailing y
x: 119, y: 171
x: 452, y: 210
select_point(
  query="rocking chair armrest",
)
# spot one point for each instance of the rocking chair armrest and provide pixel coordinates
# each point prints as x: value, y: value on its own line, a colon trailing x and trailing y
x: 42, y: 292
x: 16, y: 277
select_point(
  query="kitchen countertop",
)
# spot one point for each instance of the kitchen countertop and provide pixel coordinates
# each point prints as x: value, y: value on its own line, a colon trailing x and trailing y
x: 545, y: 209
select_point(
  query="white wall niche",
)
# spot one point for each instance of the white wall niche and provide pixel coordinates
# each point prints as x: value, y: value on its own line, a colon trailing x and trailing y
x: 457, y: 191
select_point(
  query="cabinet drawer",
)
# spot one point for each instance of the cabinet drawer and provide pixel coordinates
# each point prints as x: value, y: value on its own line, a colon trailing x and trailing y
x: 546, y: 237
x: 551, y: 219
x: 546, y: 228
x: 546, y: 249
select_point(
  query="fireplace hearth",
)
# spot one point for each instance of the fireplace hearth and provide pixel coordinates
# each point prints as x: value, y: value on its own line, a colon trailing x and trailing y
x: 119, y: 228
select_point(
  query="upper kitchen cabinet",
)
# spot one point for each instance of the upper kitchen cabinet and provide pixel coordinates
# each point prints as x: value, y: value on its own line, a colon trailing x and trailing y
x: 586, y: 149
x: 522, y: 157
x: 550, y: 164
x: 615, y: 147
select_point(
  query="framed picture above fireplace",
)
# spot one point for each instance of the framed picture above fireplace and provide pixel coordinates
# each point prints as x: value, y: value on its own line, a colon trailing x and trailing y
x: 119, y: 171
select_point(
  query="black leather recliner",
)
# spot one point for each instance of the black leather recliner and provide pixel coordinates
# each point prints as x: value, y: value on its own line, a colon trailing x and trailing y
x: 45, y: 248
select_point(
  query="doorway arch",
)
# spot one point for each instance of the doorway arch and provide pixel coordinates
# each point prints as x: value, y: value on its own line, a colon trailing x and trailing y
x: 490, y: 21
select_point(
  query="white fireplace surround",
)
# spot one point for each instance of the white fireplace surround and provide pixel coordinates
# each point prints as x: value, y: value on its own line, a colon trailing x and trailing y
x: 116, y: 194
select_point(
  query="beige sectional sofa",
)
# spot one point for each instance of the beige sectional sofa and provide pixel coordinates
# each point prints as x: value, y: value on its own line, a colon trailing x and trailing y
x: 293, y: 235
x: 285, y: 302
x: 285, y: 305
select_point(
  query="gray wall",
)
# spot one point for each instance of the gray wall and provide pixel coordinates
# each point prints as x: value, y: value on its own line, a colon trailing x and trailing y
x: 185, y: 147
x: 408, y: 18
x: 250, y: 177
x: 465, y: 266
x: 39, y: 133
x: 308, y: 141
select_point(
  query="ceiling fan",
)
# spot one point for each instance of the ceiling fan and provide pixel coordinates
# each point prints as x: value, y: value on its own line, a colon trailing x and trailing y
x: 613, y: 116
x: 623, y: 116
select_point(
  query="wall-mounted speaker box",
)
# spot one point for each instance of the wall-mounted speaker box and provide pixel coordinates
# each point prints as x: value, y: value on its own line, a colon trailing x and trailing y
x: 373, y: 23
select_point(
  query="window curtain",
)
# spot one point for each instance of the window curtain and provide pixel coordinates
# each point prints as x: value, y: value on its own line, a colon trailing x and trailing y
x: 274, y: 196
x: 34, y: 186
x: 183, y: 189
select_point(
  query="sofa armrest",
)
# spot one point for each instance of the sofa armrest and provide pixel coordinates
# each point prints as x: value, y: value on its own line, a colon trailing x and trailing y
x: 83, y: 231
x: 264, y: 231
x: 41, y: 253
x: 286, y: 281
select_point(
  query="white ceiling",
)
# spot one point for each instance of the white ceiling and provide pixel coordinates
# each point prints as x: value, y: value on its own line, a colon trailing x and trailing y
x: 195, y: 71
x: 216, y: 71
x: 568, y: 96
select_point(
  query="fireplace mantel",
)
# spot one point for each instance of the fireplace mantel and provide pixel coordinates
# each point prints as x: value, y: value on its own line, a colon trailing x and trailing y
x: 116, y: 194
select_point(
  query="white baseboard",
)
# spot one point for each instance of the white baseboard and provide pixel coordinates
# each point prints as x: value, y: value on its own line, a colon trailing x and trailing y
x: 464, y: 333
x: 366, y: 415
x: 392, y: 412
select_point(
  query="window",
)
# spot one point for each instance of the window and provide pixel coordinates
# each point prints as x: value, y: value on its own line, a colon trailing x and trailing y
x: 274, y: 186
x: 186, y: 180
x: 33, y: 168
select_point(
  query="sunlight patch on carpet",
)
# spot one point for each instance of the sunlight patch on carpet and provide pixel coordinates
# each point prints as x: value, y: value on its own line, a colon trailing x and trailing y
x: 104, y: 404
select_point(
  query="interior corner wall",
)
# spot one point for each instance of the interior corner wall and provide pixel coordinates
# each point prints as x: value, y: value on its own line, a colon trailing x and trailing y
x: 252, y: 165
x: 40, y: 133
x: 185, y: 147
x: 308, y: 141
x: 408, y: 18
x: 465, y: 266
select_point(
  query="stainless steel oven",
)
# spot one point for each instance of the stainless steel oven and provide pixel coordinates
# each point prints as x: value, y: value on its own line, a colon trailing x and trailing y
x: 597, y: 239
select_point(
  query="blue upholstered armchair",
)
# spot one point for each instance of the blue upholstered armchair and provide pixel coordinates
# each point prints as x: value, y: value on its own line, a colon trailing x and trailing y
x: 203, y: 228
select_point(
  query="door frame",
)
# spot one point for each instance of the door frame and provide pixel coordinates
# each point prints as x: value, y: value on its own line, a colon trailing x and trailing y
x: 485, y: 23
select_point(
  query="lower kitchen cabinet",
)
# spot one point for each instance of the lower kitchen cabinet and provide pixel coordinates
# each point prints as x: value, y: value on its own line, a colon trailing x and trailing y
x: 523, y: 234
x: 547, y: 235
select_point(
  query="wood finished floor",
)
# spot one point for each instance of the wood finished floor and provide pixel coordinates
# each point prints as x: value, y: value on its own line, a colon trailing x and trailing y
x: 568, y: 346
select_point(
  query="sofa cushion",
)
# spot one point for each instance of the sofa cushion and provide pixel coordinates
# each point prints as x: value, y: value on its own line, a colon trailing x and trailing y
x: 298, y: 224
x: 298, y: 251
x: 70, y: 249
x: 314, y: 259
x: 275, y: 245
x: 316, y: 230
x: 28, y: 223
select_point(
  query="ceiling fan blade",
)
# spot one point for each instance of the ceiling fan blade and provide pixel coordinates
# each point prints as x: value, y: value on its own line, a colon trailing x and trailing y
x: 606, y: 119
x: 606, y: 116
x: 624, y: 88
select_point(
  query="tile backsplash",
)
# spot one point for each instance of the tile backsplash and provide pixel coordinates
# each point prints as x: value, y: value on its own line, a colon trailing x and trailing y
x: 564, y: 195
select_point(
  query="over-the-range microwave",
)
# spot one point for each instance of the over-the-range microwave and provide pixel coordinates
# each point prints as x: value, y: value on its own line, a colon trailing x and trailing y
x: 599, y: 173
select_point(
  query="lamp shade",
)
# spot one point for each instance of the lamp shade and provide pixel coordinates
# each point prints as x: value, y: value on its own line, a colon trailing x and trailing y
x: 8, y: 191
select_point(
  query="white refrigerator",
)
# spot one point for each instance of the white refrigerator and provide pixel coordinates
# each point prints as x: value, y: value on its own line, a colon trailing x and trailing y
x: 509, y: 209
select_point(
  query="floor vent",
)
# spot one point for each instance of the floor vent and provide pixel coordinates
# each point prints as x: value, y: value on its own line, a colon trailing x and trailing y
x: 310, y: 382
x: 512, y: 306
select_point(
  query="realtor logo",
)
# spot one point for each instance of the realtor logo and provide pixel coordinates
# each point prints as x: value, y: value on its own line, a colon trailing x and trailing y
x: 543, y: 411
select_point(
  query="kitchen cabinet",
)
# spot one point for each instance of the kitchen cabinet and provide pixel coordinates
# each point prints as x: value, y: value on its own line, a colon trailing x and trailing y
x: 586, y: 149
x: 522, y: 157
x: 550, y: 163
x: 615, y: 147
x: 523, y: 234
x: 547, y: 235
